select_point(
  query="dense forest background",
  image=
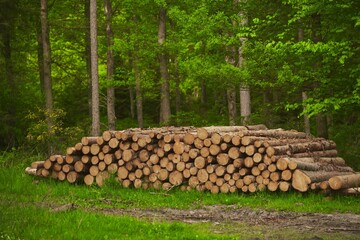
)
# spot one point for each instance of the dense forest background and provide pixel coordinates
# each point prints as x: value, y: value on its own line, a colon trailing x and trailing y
x: 290, y: 64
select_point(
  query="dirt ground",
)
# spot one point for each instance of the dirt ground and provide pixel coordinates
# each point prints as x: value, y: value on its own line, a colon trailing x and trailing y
x: 255, y: 224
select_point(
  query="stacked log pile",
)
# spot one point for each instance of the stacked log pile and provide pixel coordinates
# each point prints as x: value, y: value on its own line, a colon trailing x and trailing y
x: 216, y: 159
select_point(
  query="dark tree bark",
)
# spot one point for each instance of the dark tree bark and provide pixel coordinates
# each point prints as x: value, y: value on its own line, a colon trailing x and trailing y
x: 46, y: 60
x: 110, y: 66
x: 95, y: 130
x: 88, y: 54
x: 132, y: 105
x: 165, y: 111
x: 138, y: 93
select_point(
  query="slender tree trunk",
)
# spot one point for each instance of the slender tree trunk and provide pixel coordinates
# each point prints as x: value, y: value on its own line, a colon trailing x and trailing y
x: 245, y: 101
x: 110, y: 66
x: 165, y: 111
x: 177, y: 90
x: 321, y: 121
x: 231, y: 90
x: 88, y: 54
x: 132, y: 105
x: 231, y: 100
x: 46, y: 58
x: 306, y: 118
x: 95, y: 130
x: 138, y: 93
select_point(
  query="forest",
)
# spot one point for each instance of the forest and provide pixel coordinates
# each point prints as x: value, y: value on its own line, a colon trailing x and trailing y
x: 75, y: 68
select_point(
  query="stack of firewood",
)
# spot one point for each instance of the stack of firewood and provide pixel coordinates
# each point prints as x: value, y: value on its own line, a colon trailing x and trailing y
x: 217, y: 159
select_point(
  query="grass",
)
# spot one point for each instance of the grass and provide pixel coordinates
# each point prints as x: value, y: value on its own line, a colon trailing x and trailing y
x: 21, y: 216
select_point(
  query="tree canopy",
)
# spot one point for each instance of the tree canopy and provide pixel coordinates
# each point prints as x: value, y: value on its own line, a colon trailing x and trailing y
x: 292, y: 47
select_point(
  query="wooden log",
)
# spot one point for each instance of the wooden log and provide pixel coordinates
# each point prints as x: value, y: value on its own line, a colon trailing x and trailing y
x: 87, y: 141
x: 272, y: 186
x: 236, y: 140
x: 284, y: 186
x: 255, y: 171
x: 257, y: 157
x: 275, y: 133
x: 249, y: 179
x: 207, y: 142
x: 220, y: 170
x: 316, y: 154
x: 347, y: 181
x: 72, y: 176
x: 244, y: 171
x: 193, y: 181
x: 122, y: 173
x: 202, y: 133
x: 89, y: 179
x: 250, y: 150
x: 204, y: 152
x: 72, y: 151
x: 188, y: 138
x: 238, y: 163
x: 286, y: 175
x: 61, y: 176
x: 163, y: 174
x: 38, y: 164
x: 78, y: 147
x: 67, y: 168
x: 275, y: 176
x: 112, y: 168
x: 216, y: 138
x: 31, y: 171
x: 48, y: 164
x: 202, y: 175
x: 239, y: 183
x: 94, y: 149
x: 234, y: 152
x: 101, y: 178
x: 198, y: 143
x: 200, y: 162
x: 214, y: 149
x: 248, y: 162
x: 282, y: 164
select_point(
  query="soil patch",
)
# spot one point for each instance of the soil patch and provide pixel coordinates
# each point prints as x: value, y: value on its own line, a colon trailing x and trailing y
x: 233, y: 219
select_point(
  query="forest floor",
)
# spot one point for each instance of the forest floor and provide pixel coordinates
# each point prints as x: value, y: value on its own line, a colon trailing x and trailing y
x: 254, y: 223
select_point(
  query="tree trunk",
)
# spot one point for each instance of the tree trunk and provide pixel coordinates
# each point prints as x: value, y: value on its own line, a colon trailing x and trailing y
x: 306, y: 118
x: 46, y: 57
x: 138, y: 93
x: 95, y: 130
x: 88, y: 54
x: 245, y: 101
x: 165, y: 111
x: 231, y: 100
x: 177, y: 89
x: 110, y: 66
x: 132, y: 105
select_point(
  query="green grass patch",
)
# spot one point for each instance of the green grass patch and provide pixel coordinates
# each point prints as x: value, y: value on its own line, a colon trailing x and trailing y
x: 25, y: 208
x: 16, y: 185
x: 29, y: 222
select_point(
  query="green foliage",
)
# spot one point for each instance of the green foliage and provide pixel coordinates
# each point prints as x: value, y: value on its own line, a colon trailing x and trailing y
x: 40, y: 136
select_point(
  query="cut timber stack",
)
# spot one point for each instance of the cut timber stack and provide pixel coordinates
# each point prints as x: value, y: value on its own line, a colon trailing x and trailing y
x: 217, y: 159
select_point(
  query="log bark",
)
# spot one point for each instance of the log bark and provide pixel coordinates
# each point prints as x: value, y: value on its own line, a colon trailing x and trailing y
x: 347, y: 181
